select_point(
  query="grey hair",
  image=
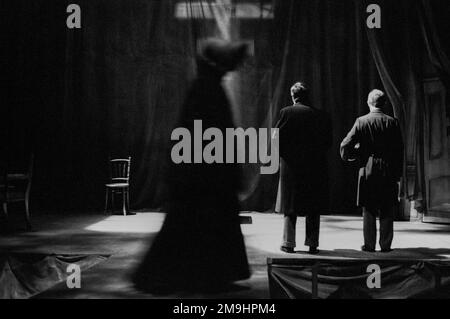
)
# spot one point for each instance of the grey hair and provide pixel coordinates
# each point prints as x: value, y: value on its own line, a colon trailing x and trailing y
x: 377, y: 98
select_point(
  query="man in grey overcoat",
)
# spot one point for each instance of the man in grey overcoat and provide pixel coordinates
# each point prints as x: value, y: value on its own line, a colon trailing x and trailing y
x: 376, y: 143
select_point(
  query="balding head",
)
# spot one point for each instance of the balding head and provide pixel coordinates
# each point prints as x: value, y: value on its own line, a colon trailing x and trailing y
x: 377, y: 99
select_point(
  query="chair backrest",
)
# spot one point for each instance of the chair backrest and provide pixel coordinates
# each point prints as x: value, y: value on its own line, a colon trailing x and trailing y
x: 19, y: 179
x: 120, y: 170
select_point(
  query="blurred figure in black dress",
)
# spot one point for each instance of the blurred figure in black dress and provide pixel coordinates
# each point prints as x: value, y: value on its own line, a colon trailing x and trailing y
x: 200, y: 246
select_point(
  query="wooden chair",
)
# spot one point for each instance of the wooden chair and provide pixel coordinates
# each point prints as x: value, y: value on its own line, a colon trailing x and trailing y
x: 119, y: 183
x: 15, y: 187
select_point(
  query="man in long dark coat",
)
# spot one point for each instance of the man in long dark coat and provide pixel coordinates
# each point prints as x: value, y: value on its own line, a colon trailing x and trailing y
x: 376, y: 142
x: 305, y: 135
x: 200, y: 246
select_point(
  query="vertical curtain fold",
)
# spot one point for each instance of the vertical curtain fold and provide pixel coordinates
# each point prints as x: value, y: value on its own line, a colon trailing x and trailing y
x: 396, y: 51
x: 434, y: 49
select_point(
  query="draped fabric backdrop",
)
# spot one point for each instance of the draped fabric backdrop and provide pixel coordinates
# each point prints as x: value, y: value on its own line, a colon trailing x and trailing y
x: 115, y: 86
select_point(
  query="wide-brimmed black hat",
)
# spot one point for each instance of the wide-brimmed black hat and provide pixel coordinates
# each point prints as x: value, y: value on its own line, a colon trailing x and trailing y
x: 223, y: 55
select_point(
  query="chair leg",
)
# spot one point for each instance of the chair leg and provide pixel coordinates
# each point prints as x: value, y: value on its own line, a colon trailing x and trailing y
x: 106, y: 200
x: 5, y: 210
x: 124, y: 202
x: 27, y: 207
x: 128, y: 200
x: 113, y: 196
x: 27, y: 214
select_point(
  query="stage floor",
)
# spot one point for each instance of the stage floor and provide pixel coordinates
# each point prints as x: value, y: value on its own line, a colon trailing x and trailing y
x: 128, y: 238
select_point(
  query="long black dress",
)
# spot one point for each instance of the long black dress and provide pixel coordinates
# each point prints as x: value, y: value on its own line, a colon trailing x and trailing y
x: 200, y: 245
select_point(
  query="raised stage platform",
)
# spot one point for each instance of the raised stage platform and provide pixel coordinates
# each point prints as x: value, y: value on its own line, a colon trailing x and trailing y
x: 331, y: 278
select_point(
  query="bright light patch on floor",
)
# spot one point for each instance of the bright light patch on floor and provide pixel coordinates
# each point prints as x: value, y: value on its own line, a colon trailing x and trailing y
x: 141, y: 223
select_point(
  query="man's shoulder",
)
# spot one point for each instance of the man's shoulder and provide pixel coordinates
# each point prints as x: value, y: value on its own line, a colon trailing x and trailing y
x: 305, y: 112
x: 374, y: 117
x: 364, y: 118
x: 297, y: 108
x: 293, y: 107
x: 288, y: 110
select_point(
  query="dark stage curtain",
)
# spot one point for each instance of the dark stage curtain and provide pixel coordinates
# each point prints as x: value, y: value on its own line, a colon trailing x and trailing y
x: 115, y: 86
x: 409, y: 37
x: 400, y: 72
x: 430, y: 22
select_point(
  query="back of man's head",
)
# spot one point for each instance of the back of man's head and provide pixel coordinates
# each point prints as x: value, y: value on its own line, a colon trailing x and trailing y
x: 300, y: 93
x: 377, y: 99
